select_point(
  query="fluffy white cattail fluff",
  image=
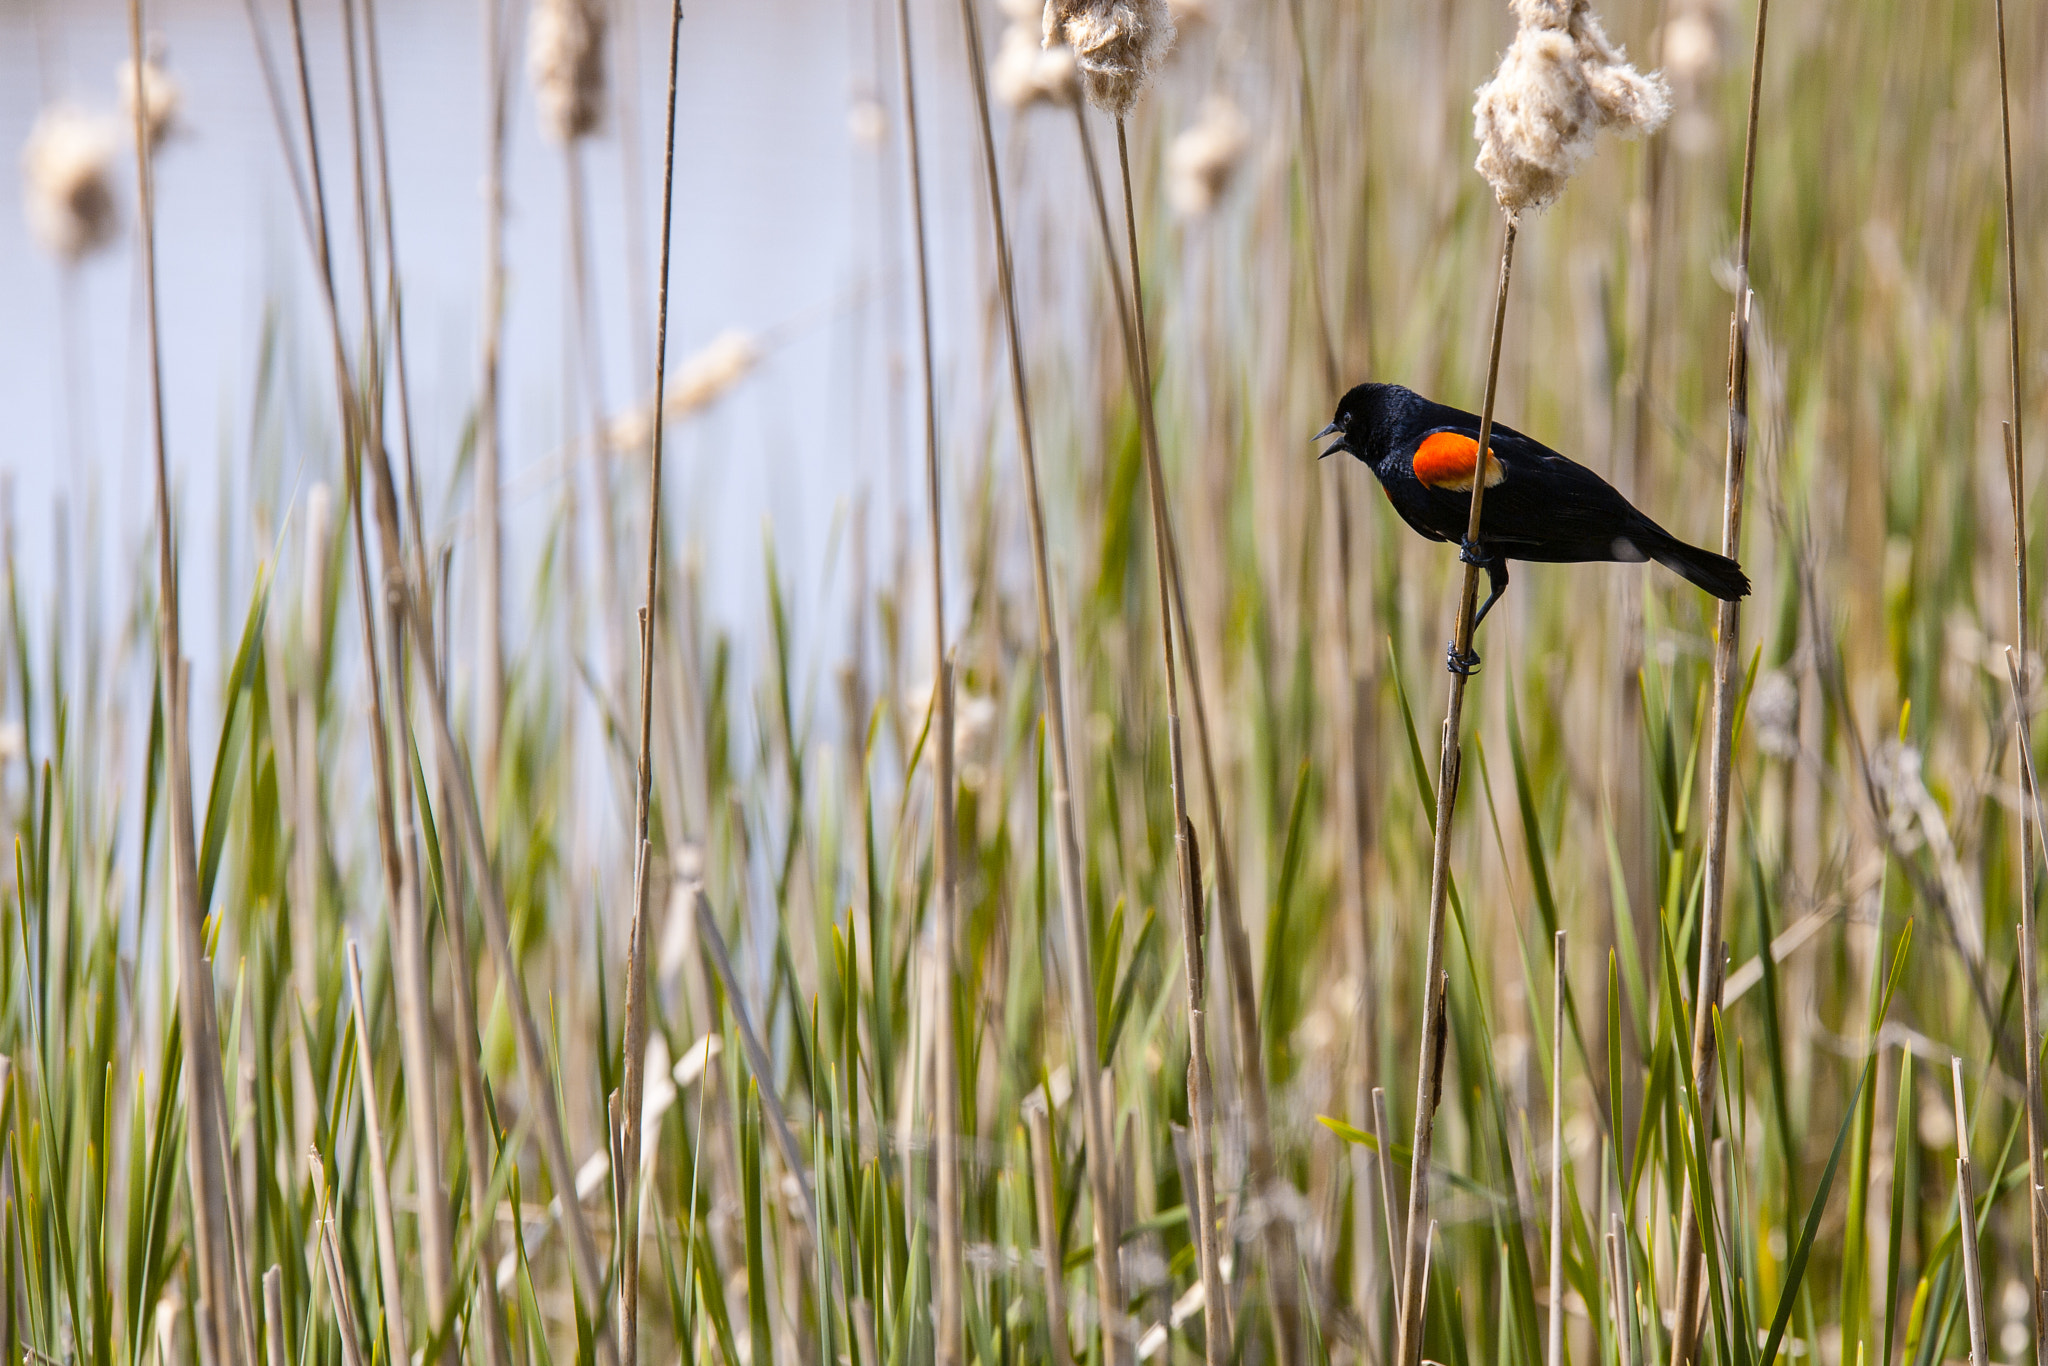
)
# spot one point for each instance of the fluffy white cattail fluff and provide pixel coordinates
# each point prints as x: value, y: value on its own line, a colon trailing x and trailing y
x: 1560, y: 82
x: 67, y: 164
x: 695, y: 385
x: 161, y: 98
x: 565, y: 60
x: 1201, y: 159
x: 1026, y: 73
x: 1117, y: 45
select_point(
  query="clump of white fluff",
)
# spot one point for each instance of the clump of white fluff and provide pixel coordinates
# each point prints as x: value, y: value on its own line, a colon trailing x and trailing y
x: 67, y: 165
x: 565, y: 60
x: 1027, y: 73
x: 1560, y: 82
x: 1117, y: 45
x: 700, y: 381
x: 1200, y: 161
x: 161, y: 98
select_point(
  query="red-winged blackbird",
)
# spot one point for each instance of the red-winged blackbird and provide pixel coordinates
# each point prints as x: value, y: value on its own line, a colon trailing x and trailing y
x: 1538, y: 505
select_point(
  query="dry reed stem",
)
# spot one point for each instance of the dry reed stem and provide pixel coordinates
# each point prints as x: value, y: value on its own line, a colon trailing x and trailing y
x: 758, y: 1061
x: 533, y: 1061
x: 477, y: 1131
x: 949, y: 1252
x: 390, y: 1272
x: 1137, y: 354
x: 337, y: 1277
x: 1430, y: 1066
x: 1966, y: 1216
x: 490, y: 567
x: 1554, y: 1347
x: 1390, y: 1214
x: 273, y: 1316
x: 1044, y: 1176
x: 410, y: 985
x: 221, y: 1284
x: 1066, y: 839
x: 635, y: 1044
x: 1355, y: 828
x: 2016, y: 472
x: 1706, y: 1001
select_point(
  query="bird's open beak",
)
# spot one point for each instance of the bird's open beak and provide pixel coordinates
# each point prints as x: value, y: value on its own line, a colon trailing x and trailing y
x: 1332, y: 430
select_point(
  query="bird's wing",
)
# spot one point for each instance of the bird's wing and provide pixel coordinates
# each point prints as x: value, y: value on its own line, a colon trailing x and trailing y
x: 1539, y: 504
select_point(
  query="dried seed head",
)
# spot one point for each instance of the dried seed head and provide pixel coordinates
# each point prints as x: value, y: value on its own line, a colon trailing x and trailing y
x: 1560, y: 82
x: 565, y: 60
x: 161, y: 97
x: 67, y: 164
x: 867, y: 122
x: 1201, y: 159
x: 1117, y: 44
x: 697, y: 383
x: 1026, y: 73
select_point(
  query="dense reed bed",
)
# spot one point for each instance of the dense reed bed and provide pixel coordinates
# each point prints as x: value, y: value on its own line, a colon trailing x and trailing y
x: 323, y: 1001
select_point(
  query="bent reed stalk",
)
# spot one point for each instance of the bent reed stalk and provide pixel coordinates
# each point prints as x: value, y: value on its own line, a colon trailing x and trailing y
x: 1706, y: 1001
x: 1429, y: 1067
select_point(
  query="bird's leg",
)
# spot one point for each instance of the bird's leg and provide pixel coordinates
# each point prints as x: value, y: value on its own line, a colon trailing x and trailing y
x: 1496, y: 568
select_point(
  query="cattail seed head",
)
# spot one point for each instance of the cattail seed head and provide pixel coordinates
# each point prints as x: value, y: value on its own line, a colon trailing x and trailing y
x: 1560, y: 82
x: 700, y: 381
x: 1200, y: 161
x: 565, y: 60
x: 1026, y: 73
x: 67, y: 164
x: 1117, y: 45
x: 161, y: 98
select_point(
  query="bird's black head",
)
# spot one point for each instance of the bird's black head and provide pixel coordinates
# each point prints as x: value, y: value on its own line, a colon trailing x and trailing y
x: 1362, y: 420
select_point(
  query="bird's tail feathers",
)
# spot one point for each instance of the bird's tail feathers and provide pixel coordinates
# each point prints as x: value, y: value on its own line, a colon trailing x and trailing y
x: 1717, y: 574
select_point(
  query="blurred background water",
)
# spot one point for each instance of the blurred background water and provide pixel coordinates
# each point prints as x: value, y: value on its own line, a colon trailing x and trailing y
x: 781, y: 157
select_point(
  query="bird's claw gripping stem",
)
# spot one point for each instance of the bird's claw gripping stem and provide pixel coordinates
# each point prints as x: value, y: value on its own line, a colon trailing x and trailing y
x: 1473, y: 553
x: 1464, y: 665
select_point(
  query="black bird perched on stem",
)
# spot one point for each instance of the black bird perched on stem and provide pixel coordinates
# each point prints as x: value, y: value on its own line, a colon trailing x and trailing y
x: 1538, y: 504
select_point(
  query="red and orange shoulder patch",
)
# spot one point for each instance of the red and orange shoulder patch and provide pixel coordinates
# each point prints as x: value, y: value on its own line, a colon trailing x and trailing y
x: 1445, y: 460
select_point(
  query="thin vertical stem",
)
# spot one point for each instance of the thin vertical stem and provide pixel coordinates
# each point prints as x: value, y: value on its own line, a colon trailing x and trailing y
x: 950, y: 1254
x: 226, y: 1321
x: 1554, y: 1348
x: 1046, y: 1198
x: 1706, y: 1001
x: 389, y: 1271
x: 1966, y: 1217
x: 1066, y: 838
x: 490, y: 568
x: 2016, y: 475
x: 1430, y: 1068
x: 635, y: 1045
x: 1137, y: 351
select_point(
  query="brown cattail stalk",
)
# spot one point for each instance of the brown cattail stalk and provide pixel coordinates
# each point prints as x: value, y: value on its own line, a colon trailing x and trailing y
x: 635, y: 1060
x: 227, y: 1322
x: 1966, y: 1218
x: 1044, y: 1179
x: 490, y: 566
x: 273, y: 1316
x: 1066, y: 838
x: 1706, y: 1002
x: 410, y: 986
x: 1137, y: 350
x: 1553, y: 1354
x: 389, y: 1269
x: 950, y: 1253
x: 1429, y: 1070
x: 352, y: 1351
x: 2016, y: 477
